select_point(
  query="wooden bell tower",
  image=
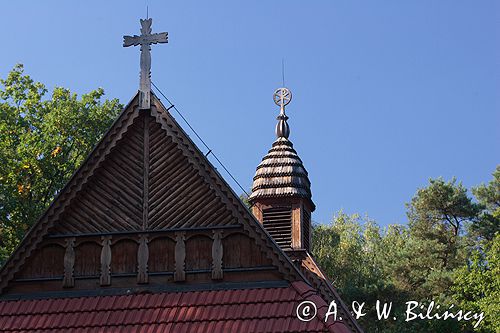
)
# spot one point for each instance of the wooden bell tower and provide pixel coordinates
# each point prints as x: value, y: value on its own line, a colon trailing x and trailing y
x: 281, y: 190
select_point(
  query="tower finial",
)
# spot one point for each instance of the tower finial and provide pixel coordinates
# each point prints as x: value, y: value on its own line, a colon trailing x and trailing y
x: 281, y: 97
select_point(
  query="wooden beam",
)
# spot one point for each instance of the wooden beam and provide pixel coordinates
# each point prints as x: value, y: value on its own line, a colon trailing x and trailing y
x: 69, y: 263
x: 142, y: 259
x: 180, y: 256
x: 257, y: 212
x: 217, y: 252
x: 145, y: 190
x: 296, y: 226
x: 106, y: 261
x: 148, y: 232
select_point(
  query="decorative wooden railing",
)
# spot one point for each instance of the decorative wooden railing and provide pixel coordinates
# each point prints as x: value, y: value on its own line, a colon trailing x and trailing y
x: 144, y: 254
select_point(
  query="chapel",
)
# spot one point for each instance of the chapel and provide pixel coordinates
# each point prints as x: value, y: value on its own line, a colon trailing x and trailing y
x: 147, y: 236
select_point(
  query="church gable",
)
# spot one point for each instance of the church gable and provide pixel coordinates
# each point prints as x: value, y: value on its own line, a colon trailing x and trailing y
x: 149, y: 211
x: 145, y: 183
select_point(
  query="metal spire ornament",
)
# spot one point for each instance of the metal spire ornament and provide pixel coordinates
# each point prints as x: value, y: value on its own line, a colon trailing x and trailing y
x: 281, y: 97
x: 145, y: 40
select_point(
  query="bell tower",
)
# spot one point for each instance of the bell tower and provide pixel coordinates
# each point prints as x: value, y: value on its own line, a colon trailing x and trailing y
x: 281, y: 192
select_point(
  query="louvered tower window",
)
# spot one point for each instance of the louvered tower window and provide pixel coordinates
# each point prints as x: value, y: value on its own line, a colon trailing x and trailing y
x: 306, y: 228
x: 278, y: 223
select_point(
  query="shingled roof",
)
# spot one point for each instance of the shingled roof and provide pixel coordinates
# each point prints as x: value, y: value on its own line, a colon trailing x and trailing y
x: 281, y: 173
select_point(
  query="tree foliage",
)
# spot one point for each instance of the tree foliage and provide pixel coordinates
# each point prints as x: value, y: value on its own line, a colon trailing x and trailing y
x: 43, y: 139
x: 442, y: 207
x: 430, y: 258
x: 349, y: 251
x: 477, y: 285
x: 488, y: 224
x: 437, y: 216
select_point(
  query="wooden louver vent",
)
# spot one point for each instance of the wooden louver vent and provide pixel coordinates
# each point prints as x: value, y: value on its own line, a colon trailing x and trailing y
x: 306, y: 227
x: 278, y: 223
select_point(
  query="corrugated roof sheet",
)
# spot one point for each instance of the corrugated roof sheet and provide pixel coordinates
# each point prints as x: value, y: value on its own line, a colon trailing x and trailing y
x: 245, y: 310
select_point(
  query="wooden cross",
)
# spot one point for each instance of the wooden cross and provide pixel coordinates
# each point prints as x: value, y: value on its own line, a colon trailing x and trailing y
x: 145, y: 40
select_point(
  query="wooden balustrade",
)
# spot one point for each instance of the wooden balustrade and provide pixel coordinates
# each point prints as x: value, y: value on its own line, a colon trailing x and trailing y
x: 143, y: 240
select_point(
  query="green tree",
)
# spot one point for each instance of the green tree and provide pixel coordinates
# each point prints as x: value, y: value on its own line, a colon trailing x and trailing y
x: 437, y: 217
x: 424, y: 256
x: 488, y: 196
x: 350, y: 250
x: 43, y: 140
x: 442, y: 205
x: 420, y: 261
x: 345, y: 251
x: 477, y: 286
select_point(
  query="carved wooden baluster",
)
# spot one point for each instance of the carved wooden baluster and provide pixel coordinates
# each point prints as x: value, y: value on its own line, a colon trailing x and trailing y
x: 106, y: 261
x: 142, y: 259
x: 69, y: 263
x: 180, y: 256
x: 217, y: 252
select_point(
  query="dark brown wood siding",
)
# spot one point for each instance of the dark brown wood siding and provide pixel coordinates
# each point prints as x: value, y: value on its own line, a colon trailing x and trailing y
x: 87, y: 259
x: 161, y: 255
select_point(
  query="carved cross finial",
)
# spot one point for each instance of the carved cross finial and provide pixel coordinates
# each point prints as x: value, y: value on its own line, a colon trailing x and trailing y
x: 281, y: 97
x: 145, y: 40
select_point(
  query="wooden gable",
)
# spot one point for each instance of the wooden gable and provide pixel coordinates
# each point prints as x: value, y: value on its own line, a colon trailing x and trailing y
x: 146, y: 209
x: 146, y: 183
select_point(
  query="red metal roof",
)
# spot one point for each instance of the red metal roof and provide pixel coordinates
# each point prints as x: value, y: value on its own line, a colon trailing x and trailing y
x: 244, y: 310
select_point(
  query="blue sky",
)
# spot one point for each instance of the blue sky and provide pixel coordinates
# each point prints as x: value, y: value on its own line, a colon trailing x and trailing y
x: 386, y: 93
